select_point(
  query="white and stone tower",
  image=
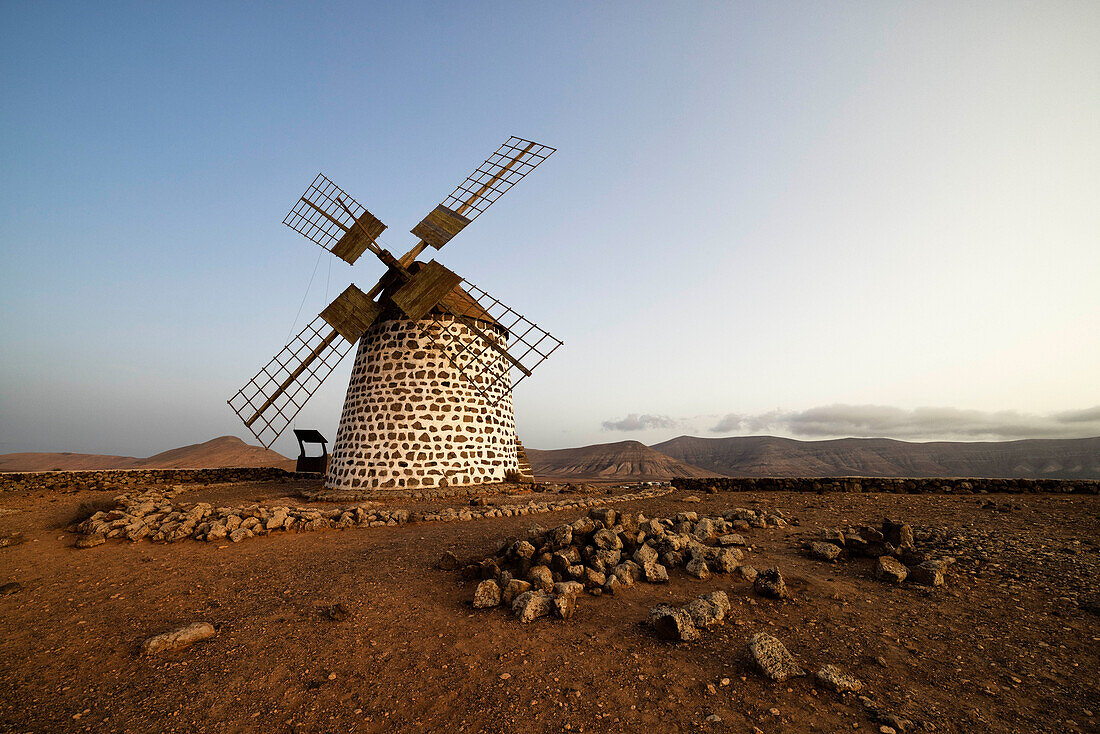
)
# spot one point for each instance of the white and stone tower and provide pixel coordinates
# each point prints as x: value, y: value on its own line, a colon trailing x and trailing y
x: 411, y: 420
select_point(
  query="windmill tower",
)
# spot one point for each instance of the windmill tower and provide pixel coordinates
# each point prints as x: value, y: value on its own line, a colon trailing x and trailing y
x: 429, y: 403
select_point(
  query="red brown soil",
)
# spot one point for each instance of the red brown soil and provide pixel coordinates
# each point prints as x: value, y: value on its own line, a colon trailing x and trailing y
x: 1002, y: 648
x: 225, y: 451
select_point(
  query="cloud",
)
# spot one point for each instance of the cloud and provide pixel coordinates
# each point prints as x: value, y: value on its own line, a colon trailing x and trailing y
x: 728, y: 423
x: 887, y: 421
x: 635, y: 422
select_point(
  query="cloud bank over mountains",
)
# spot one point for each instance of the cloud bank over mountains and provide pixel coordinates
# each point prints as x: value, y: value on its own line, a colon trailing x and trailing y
x: 881, y: 421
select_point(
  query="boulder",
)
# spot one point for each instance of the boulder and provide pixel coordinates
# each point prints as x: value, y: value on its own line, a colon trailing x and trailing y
x: 890, y: 569
x: 672, y: 623
x: 531, y: 605
x: 655, y: 573
x: 487, y: 594
x: 748, y: 573
x: 709, y: 610
x: 566, y: 588
x: 607, y: 540
x: 836, y: 537
x: 541, y: 578
x: 697, y: 567
x: 772, y: 658
x: 732, y: 539
x: 770, y: 583
x: 929, y: 573
x: 645, y: 554
x: 725, y: 560
x: 91, y: 541
x: 514, y: 588
x: 178, y: 639
x: 824, y: 551
x: 564, y: 606
x: 831, y: 677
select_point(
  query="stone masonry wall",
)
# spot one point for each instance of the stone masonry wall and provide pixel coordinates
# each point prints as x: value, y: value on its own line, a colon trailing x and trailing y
x: 115, y: 479
x: 411, y: 420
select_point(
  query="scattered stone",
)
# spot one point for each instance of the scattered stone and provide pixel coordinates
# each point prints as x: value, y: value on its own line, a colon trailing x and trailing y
x: 178, y: 639
x: 514, y: 588
x: 565, y: 605
x: 833, y: 536
x: 691, y: 498
x: 12, y: 587
x: 824, y: 551
x: 487, y: 594
x: 890, y: 569
x: 831, y: 677
x: 929, y: 573
x: 772, y: 658
x: 541, y: 578
x: 732, y: 539
x: 655, y: 573
x: 709, y: 610
x: 770, y: 583
x: 748, y: 573
x: 714, y: 719
x: 531, y: 605
x: 91, y: 541
x: 673, y: 623
x: 697, y: 567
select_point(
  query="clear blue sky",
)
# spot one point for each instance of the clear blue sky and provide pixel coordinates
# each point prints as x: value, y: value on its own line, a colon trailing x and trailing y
x: 808, y: 219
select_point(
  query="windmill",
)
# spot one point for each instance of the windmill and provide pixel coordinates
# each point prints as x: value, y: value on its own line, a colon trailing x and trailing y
x: 429, y: 403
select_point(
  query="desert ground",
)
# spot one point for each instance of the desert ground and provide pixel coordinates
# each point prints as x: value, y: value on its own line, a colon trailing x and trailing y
x: 358, y: 630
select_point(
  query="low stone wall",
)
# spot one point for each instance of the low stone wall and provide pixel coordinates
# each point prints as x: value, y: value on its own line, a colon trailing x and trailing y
x: 969, y: 485
x: 116, y: 479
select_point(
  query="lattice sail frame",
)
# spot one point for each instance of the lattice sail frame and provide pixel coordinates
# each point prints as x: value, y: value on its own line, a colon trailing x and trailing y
x: 325, y: 213
x: 496, y: 175
x: 317, y: 337
x: 527, y: 343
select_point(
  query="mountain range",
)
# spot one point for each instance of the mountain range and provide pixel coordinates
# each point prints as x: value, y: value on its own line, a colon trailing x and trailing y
x: 756, y: 456
x: 225, y: 451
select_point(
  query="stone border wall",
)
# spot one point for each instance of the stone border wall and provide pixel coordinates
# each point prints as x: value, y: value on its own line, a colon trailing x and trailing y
x: 970, y: 485
x: 115, y: 479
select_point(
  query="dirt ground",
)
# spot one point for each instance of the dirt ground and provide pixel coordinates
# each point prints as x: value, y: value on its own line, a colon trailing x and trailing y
x: 1010, y: 644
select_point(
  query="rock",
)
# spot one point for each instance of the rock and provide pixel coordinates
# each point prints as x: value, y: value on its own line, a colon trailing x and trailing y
x: 691, y: 498
x: 655, y: 573
x: 726, y: 560
x: 216, y: 532
x: 178, y: 639
x: 603, y: 515
x: 240, y: 534
x: 565, y: 605
x: 561, y: 537
x: 606, y: 539
x: 772, y: 658
x: 523, y: 549
x: 929, y: 573
x: 514, y: 588
x: 628, y: 572
x: 645, y: 554
x: 12, y: 587
x: 612, y: 585
x: 748, y: 573
x: 672, y: 623
x: 709, y: 610
x: 541, y: 578
x: 770, y: 583
x: 487, y: 594
x: 890, y: 570
x: 833, y: 536
x: 732, y: 539
x: 531, y: 605
x: 697, y: 567
x: 704, y: 529
x: 824, y: 551
x: 592, y: 579
x: 831, y: 677
x: 91, y: 541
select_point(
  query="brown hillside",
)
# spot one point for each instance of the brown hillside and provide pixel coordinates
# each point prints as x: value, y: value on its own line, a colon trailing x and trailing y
x: 626, y: 459
x: 755, y: 456
x: 225, y: 451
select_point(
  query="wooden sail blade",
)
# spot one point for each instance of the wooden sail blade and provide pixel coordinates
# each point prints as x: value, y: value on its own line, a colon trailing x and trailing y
x: 502, y: 170
x: 326, y: 215
x: 270, y: 400
x: 351, y: 313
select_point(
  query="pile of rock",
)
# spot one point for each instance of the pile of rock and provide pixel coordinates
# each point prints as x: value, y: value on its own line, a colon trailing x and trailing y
x: 894, y: 547
x: 602, y: 553
x: 153, y: 515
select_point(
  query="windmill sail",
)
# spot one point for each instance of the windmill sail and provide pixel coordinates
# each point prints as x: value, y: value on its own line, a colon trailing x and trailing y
x: 326, y: 215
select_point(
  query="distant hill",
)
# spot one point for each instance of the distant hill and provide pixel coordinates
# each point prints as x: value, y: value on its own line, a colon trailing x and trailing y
x: 755, y: 456
x: 623, y: 460
x: 226, y: 451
